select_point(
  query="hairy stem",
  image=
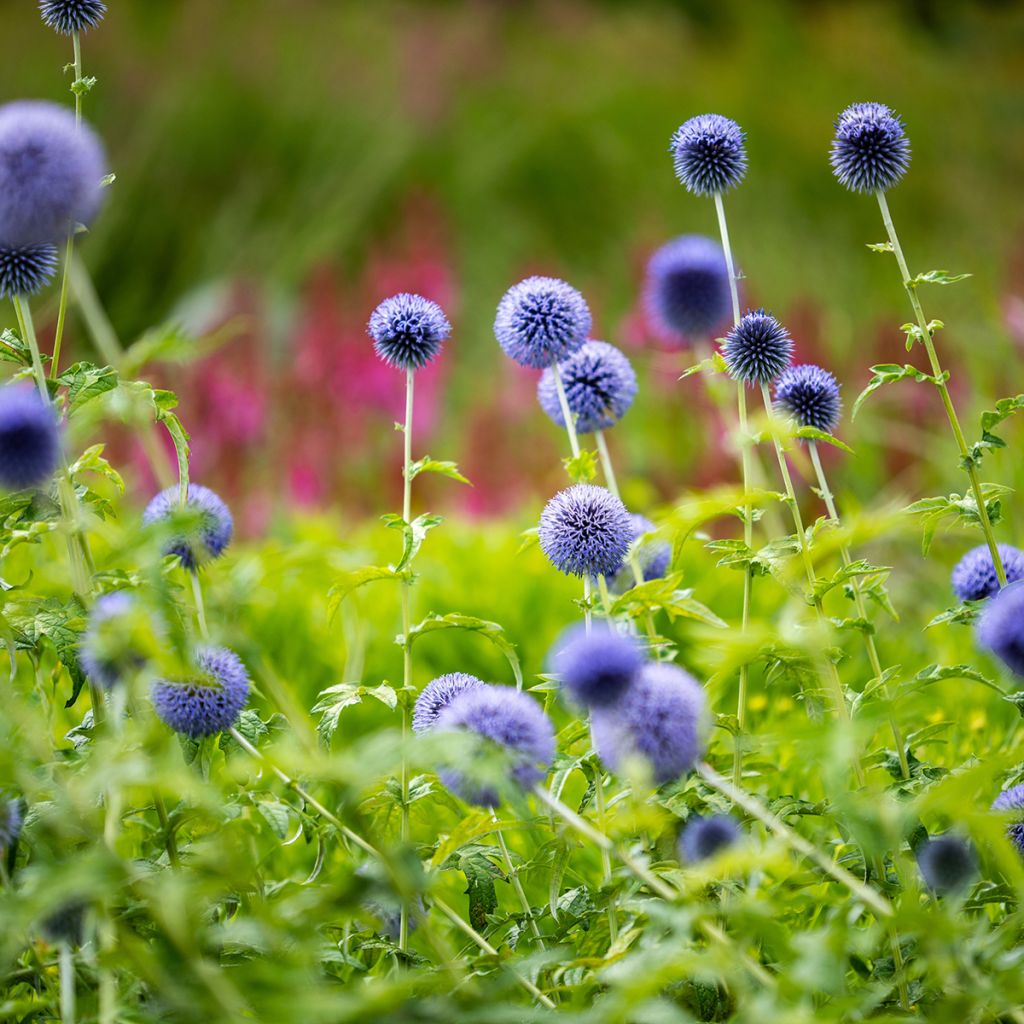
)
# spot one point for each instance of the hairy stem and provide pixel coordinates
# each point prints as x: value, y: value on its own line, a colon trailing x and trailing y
x: 403, y: 927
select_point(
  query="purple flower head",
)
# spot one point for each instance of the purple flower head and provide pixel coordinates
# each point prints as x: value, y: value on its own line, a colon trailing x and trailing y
x: 810, y: 395
x: 758, y: 348
x: 70, y: 16
x: 107, y: 652
x: 1012, y: 799
x: 708, y: 154
x: 29, y: 438
x: 541, y: 321
x: 660, y: 719
x: 26, y: 269
x: 585, y: 531
x: 947, y: 863
x: 1001, y: 627
x: 408, y: 331
x: 687, y: 293
x: 210, y: 532
x: 11, y: 820
x: 596, y: 668
x: 513, y: 721
x: 207, y: 703
x: 974, y: 576
x: 437, y: 695
x: 704, y: 837
x: 870, y: 151
x: 653, y: 557
x: 51, y: 171
x: 600, y: 386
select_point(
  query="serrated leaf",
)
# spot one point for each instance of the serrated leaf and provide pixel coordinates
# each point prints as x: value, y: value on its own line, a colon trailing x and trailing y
x: 85, y: 382
x: 453, y: 620
x: 91, y: 460
x: 582, y: 468
x: 936, y: 277
x: 813, y: 434
x: 429, y: 465
x: 330, y: 704
x: 966, y: 614
x: 350, y: 581
x: 13, y: 349
x: 880, y: 246
x: 890, y: 373
x: 413, y: 535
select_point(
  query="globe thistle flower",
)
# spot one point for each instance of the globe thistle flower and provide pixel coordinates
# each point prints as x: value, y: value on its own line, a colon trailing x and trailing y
x: 66, y: 925
x: 652, y: 558
x: 596, y: 667
x: 541, y: 321
x: 513, y: 721
x: 870, y: 151
x: 11, y: 820
x: 599, y: 383
x: 1012, y: 799
x: 947, y: 863
x: 209, y: 702
x: 29, y: 438
x: 702, y: 838
x: 26, y: 269
x: 758, y: 348
x: 661, y: 719
x: 1001, y: 627
x: 70, y: 16
x: 408, y: 331
x: 209, y: 535
x: 974, y: 577
x: 810, y: 395
x: 709, y: 154
x: 585, y: 531
x: 437, y: 695
x: 107, y: 652
x: 687, y: 293
x: 51, y: 171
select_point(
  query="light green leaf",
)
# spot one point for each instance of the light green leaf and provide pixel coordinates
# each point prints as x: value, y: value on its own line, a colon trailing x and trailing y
x: 453, y: 620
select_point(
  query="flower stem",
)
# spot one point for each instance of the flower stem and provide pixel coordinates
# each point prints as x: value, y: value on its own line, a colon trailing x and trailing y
x: 606, y: 857
x: 859, y: 603
x: 197, y: 596
x: 403, y: 926
x: 513, y: 876
x: 570, y: 420
x: 940, y: 382
x: 67, y: 984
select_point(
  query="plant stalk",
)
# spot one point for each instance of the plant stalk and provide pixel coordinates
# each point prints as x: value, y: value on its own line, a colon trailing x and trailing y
x: 403, y: 927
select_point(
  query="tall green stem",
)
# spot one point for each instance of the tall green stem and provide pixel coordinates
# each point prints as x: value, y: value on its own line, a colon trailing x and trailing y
x: 860, y: 604
x: 940, y: 382
x: 517, y: 885
x: 570, y: 420
x: 67, y: 984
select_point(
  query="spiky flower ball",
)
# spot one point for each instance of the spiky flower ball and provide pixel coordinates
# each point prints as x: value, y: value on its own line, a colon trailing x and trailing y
x: 758, y: 348
x: 709, y: 154
x: 512, y: 720
x: 107, y: 652
x: 70, y: 16
x: 974, y: 577
x: 661, y: 719
x: 51, y: 171
x: 26, y: 269
x: 210, y: 701
x: 1001, y: 627
x: 541, y: 321
x: 947, y: 863
x: 687, y: 293
x: 585, y: 531
x: 408, y: 331
x: 810, y: 395
x: 437, y: 695
x: 29, y: 438
x: 653, y: 557
x: 870, y: 151
x: 211, y: 525
x: 1012, y: 800
x: 599, y: 383
x: 704, y: 837
x: 596, y: 667
x: 11, y: 820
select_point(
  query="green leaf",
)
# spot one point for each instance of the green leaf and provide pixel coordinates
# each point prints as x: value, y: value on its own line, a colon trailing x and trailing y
x: 91, y: 460
x: 958, y: 509
x: 483, y: 900
x: 712, y: 366
x: 453, y: 620
x: 890, y: 373
x: 350, y: 581
x: 936, y: 673
x: 990, y: 419
x: 880, y: 246
x: 413, y: 533
x: 58, y: 623
x: 664, y: 594
x: 936, y: 277
x: 13, y: 349
x: 849, y: 573
x: 429, y: 465
x: 813, y: 434
x: 332, y: 701
x: 582, y: 468
x: 85, y: 382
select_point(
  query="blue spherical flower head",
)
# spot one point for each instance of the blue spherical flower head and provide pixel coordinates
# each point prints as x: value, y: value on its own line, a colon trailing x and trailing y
x: 512, y: 720
x: 596, y: 667
x: 585, y: 531
x: 26, y: 269
x: 687, y: 293
x: 709, y: 154
x: 599, y: 383
x: 408, y: 331
x: 702, y: 838
x: 810, y: 395
x: 947, y: 863
x: 653, y: 557
x: 661, y: 719
x: 974, y: 577
x: 11, y: 820
x: 1001, y: 627
x: 209, y: 702
x: 108, y: 651
x: 1012, y: 800
x: 29, y: 438
x: 211, y: 528
x: 51, y: 172
x: 758, y: 348
x: 870, y: 151
x: 541, y: 321
x: 70, y: 16
x: 437, y: 695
